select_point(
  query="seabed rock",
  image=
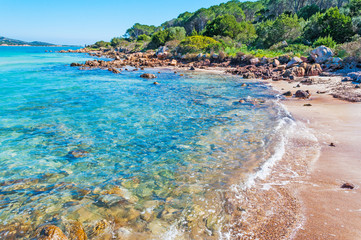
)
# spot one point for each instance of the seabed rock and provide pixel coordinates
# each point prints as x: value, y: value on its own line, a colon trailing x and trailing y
x: 148, y: 76
x: 50, y: 232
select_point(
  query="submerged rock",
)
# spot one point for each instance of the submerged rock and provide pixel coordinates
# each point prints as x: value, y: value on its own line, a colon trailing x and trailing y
x: 76, y: 65
x: 78, y: 153
x: 50, y: 232
x: 109, y: 201
x: 76, y: 231
x: 148, y: 75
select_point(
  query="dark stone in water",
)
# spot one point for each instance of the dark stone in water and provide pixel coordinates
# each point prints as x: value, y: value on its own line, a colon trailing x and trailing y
x: 78, y: 153
x: 148, y: 75
x: 75, y: 65
x: 109, y: 201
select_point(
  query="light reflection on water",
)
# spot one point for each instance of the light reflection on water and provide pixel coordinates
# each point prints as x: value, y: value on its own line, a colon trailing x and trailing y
x: 93, y: 146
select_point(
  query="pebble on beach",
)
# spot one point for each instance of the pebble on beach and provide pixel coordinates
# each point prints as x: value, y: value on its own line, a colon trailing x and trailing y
x: 348, y: 186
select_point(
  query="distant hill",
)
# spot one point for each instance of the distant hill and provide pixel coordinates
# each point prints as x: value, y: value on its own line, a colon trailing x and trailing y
x: 14, y: 42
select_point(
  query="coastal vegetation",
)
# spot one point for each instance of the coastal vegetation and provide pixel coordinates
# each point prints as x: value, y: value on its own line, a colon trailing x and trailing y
x: 263, y: 28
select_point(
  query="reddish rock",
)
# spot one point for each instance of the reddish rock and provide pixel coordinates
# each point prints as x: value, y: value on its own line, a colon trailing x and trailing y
x: 50, y: 232
x: 313, y: 70
x: 76, y: 231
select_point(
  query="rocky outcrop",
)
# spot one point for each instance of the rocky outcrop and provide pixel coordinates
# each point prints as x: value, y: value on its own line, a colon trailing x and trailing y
x: 173, y: 63
x: 321, y: 54
x: 254, y: 61
x: 294, y: 61
x: 313, y: 70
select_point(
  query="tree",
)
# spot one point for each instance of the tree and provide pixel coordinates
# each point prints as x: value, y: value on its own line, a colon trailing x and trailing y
x: 116, y: 42
x: 226, y: 26
x: 158, y: 39
x: 355, y: 8
x: 308, y: 11
x: 161, y: 37
x: 138, y: 29
x: 284, y: 28
x: 248, y: 33
x: 176, y: 33
x: 332, y: 23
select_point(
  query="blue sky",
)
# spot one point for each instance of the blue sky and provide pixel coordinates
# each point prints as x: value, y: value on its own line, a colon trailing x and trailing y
x: 86, y: 21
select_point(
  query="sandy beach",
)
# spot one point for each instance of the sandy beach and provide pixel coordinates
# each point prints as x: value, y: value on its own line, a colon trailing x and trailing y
x: 329, y: 211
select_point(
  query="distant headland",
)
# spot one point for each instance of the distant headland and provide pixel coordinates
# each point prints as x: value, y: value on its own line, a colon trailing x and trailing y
x: 14, y: 42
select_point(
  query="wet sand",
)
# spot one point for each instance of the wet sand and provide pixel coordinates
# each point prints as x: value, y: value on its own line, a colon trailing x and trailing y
x: 329, y: 212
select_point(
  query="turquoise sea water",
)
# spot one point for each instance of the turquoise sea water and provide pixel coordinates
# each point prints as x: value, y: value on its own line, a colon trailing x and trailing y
x: 116, y: 151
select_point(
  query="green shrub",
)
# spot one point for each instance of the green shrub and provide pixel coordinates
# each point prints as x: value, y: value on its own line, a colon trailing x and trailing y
x: 350, y: 49
x: 325, y: 41
x: 103, y: 44
x: 195, y: 44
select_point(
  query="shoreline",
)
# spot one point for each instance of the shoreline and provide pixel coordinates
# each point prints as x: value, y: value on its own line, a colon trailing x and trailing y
x: 330, y: 212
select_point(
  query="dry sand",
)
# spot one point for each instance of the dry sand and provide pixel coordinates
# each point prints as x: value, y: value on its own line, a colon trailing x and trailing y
x: 329, y: 211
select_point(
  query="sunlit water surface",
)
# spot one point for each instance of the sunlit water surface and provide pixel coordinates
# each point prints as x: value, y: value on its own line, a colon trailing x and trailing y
x: 122, y: 156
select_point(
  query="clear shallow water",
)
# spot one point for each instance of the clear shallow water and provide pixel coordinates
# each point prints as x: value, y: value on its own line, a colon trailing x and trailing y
x: 118, y: 152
